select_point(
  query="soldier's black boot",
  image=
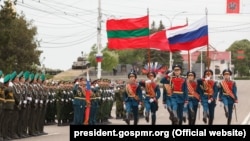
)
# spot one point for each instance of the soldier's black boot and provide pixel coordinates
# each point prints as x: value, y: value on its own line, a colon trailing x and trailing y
x: 170, y: 113
x: 153, y: 118
x: 205, y: 116
x: 175, y: 118
x: 226, y: 111
x: 229, y: 121
x: 135, y: 121
x: 127, y: 119
x: 147, y: 116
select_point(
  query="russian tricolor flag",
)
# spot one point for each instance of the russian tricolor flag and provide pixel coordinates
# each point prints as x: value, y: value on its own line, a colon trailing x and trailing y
x: 189, y: 37
x: 98, y: 58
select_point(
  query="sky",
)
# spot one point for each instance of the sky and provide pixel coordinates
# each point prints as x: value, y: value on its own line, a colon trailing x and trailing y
x: 67, y: 28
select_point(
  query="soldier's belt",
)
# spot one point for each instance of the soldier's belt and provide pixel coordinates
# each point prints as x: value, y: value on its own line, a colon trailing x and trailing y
x: 191, y: 95
x: 226, y: 94
x: 207, y: 94
x: 9, y: 100
x: 2, y: 99
x: 149, y: 95
x: 81, y: 98
x: 178, y: 92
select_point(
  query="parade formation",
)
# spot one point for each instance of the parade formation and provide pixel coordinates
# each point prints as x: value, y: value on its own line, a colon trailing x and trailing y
x: 28, y: 101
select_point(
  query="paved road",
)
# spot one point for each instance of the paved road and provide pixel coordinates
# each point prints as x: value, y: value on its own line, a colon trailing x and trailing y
x: 243, y: 117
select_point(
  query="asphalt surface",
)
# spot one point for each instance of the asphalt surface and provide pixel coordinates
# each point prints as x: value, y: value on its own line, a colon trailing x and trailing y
x: 61, y: 133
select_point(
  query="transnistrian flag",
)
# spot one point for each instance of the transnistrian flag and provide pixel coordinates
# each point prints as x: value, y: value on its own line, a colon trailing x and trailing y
x: 130, y: 33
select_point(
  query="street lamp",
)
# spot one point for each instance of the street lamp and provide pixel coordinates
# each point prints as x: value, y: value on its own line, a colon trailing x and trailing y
x: 82, y: 61
x: 43, y: 66
x: 171, y: 61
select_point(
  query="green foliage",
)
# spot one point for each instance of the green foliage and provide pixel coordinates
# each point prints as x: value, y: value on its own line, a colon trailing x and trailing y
x: 18, y: 46
x: 241, y: 66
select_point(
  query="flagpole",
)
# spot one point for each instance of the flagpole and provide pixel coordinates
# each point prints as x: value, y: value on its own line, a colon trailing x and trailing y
x: 99, y: 54
x: 208, y: 65
x: 149, y: 51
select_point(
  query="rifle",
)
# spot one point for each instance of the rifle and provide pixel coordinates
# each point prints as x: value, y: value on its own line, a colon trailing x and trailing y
x: 235, y: 112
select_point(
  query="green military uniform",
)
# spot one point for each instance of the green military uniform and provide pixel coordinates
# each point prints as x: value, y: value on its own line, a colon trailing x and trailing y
x: 119, y: 112
x: 8, y: 108
x: 2, y: 101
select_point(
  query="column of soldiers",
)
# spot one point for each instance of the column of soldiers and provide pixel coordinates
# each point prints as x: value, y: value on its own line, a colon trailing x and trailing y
x: 185, y: 95
x: 23, y: 103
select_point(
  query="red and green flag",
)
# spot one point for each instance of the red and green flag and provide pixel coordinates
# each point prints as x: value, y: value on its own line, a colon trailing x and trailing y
x: 130, y: 33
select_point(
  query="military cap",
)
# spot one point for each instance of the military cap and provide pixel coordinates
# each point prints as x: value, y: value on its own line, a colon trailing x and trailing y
x: 132, y: 73
x: 7, y: 78
x: 20, y: 74
x: 13, y: 75
x: 31, y: 76
x: 227, y: 71
x: 26, y: 75
x: 76, y: 79
x: 151, y: 73
x: 1, y: 73
x: 36, y: 76
x: 208, y: 72
x: 191, y: 73
x: 176, y: 66
x: 42, y: 77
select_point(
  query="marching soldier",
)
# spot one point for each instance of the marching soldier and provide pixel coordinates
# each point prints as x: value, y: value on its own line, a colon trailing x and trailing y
x: 190, y: 111
x: 132, y: 98
x: 179, y: 97
x: 228, y: 94
x: 208, y: 90
x: 153, y: 93
x: 167, y: 93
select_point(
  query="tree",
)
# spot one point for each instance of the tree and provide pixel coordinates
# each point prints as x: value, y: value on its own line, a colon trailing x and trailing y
x: 18, y: 46
x: 240, y: 52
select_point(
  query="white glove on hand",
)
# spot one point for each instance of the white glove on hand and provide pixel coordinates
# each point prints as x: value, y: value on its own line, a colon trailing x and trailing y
x: 143, y: 92
x: 170, y: 74
x: 148, y: 81
x: 207, y: 78
x: 151, y: 100
x: 235, y: 104
x: 209, y: 101
x: 124, y: 106
x: 139, y: 106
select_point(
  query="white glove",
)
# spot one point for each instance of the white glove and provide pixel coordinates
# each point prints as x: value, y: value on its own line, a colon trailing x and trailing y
x: 139, y: 106
x: 143, y: 92
x: 209, y: 101
x: 124, y: 106
x: 235, y: 104
x: 148, y: 81
x: 151, y: 100
x: 207, y: 78
x: 170, y: 74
